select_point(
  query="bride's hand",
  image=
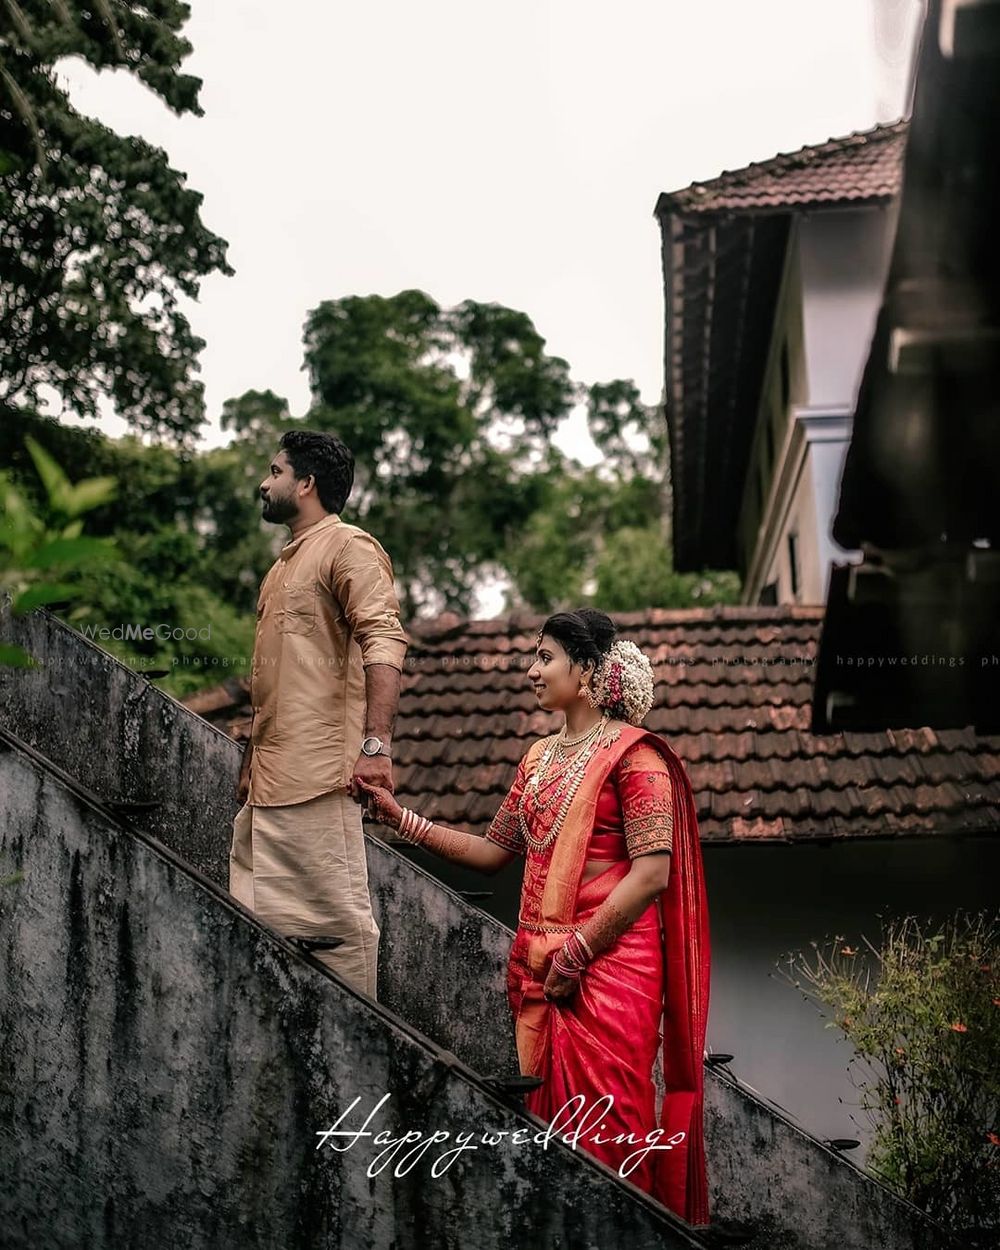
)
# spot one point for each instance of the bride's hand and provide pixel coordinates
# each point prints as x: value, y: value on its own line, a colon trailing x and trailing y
x: 557, y: 987
x: 381, y: 805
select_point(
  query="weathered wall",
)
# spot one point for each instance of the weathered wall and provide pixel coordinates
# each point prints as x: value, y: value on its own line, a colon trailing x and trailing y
x: 166, y: 1064
x: 793, y: 1189
x: 122, y: 737
x: 441, y: 961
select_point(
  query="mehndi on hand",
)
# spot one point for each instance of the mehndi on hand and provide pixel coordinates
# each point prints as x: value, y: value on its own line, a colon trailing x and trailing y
x: 380, y: 805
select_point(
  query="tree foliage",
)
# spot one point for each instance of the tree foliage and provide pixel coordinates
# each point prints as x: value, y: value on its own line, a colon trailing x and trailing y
x: 447, y: 411
x: 99, y: 236
x: 600, y: 535
x: 188, y: 549
x: 39, y: 544
x: 451, y: 415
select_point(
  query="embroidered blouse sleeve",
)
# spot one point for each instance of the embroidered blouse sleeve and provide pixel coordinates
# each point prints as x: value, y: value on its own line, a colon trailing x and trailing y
x: 647, y: 800
x: 504, y: 829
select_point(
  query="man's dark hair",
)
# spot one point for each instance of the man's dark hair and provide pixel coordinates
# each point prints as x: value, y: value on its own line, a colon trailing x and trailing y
x: 586, y: 635
x: 326, y: 458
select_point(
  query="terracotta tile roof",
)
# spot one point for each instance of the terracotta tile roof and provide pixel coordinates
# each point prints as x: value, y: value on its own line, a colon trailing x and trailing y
x: 865, y: 166
x: 733, y: 693
x: 233, y: 693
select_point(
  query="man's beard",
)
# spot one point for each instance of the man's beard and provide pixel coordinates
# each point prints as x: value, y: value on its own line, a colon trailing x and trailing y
x: 279, y: 510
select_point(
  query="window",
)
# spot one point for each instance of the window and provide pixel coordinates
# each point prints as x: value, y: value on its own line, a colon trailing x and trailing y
x: 786, y: 377
x: 768, y: 595
x: 793, y: 563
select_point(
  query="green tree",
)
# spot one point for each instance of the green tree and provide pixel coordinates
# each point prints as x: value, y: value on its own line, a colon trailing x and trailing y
x: 208, y: 499
x: 175, y: 565
x: 600, y: 535
x: 451, y: 413
x: 448, y: 413
x: 99, y: 236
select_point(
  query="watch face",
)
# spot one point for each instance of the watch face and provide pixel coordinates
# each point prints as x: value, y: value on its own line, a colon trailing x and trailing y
x: 371, y: 746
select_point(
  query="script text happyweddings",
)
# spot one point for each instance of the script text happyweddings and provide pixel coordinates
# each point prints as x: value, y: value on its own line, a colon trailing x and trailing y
x: 574, y: 1123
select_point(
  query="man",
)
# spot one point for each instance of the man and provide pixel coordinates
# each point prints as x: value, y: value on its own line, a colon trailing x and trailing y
x: 328, y: 654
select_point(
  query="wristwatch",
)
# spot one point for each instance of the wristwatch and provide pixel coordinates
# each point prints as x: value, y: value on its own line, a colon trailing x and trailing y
x: 373, y: 746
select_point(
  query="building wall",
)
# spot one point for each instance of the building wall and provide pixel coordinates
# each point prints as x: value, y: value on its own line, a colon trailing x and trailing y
x: 768, y: 900
x: 783, y: 386
x: 803, y: 503
x: 831, y: 291
x: 844, y: 258
x: 827, y: 437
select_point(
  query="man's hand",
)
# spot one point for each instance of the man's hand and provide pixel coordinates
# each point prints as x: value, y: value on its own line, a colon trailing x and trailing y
x: 557, y: 987
x: 376, y: 770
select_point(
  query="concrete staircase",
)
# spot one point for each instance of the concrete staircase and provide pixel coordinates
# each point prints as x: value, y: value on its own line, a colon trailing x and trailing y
x: 166, y: 1061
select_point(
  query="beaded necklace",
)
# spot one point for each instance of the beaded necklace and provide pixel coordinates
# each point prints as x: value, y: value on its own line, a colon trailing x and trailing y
x: 565, y: 788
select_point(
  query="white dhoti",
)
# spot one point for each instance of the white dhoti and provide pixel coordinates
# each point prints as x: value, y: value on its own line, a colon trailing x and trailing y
x: 302, y: 870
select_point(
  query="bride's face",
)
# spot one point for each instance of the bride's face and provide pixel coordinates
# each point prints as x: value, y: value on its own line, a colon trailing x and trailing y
x: 554, y: 676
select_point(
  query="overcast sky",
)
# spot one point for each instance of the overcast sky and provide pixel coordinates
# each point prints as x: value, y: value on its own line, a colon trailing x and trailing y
x: 506, y: 153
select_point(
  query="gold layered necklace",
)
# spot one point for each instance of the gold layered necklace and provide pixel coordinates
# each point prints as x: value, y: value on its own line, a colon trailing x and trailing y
x: 566, y: 785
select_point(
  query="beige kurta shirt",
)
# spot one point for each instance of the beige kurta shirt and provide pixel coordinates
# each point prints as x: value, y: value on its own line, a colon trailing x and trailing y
x: 327, y: 608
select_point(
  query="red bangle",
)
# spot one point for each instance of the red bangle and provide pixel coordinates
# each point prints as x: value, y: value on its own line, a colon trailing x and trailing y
x: 573, y: 974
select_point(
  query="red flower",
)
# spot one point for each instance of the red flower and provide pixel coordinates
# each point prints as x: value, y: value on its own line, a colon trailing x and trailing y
x: 996, y: 1002
x: 993, y: 1139
x: 849, y: 950
x: 959, y: 1027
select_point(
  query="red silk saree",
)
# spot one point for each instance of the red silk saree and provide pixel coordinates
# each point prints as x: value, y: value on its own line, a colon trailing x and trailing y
x: 595, y: 1051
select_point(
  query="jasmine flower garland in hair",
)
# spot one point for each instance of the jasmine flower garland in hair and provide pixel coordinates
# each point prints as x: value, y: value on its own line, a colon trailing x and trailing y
x: 623, y: 683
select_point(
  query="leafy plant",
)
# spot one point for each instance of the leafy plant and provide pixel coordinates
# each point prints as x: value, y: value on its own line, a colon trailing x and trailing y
x: 922, y: 1011
x: 35, y: 547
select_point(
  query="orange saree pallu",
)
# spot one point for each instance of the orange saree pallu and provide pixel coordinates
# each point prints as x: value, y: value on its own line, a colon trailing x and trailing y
x: 603, y: 1041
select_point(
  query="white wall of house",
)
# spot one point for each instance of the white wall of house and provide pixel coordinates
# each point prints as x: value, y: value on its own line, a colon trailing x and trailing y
x: 843, y: 256
x: 801, y: 509
x: 830, y: 295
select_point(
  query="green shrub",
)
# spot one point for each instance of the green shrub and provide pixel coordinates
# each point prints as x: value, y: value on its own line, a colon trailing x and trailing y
x: 922, y: 1011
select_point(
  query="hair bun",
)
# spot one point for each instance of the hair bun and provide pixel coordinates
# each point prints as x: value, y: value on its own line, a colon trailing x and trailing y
x: 600, y: 627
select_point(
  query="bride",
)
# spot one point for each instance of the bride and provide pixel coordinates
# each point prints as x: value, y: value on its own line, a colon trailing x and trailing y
x: 612, y: 940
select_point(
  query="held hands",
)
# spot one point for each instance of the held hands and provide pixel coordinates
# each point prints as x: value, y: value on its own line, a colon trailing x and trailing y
x: 379, y: 802
x: 375, y: 770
